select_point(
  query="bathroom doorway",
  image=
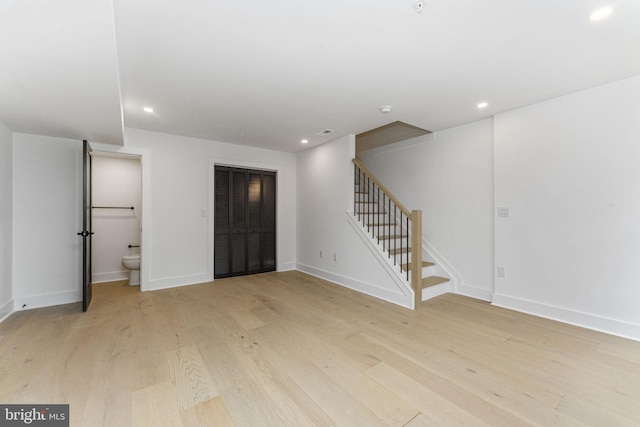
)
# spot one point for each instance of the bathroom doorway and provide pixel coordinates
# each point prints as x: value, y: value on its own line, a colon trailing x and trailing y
x: 116, y: 184
x: 245, y: 221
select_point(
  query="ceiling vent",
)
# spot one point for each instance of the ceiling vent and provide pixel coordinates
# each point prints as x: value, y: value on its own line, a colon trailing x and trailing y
x: 324, y: 132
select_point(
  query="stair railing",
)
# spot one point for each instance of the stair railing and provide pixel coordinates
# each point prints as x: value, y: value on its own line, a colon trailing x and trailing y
x: 400, y: 234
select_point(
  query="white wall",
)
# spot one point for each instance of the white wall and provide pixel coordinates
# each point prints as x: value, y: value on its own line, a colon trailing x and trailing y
x: 449, y: 177
x: 325, y: 193
x: 177, y: 236
x: 6, y: 222
x: 568, y: 169
x: 47, y: 201
x: 116, y: 181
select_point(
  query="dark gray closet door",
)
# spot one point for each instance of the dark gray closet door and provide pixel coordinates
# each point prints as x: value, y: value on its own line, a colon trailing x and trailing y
x: 245, y: 202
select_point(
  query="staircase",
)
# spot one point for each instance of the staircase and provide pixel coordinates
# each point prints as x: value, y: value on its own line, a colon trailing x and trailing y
x: 398, y: 233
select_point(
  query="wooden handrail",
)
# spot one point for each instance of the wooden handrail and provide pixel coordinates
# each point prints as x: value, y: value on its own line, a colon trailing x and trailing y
x: 382, y: 187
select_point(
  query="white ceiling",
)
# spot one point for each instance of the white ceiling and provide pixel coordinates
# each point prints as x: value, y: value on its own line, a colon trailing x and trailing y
x: 269, y: 73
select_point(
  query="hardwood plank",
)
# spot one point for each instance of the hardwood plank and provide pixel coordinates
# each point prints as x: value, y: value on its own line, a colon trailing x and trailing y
x: 156, y: 406
x: 454, y: 391
x: 245, y: 318
x: 378, y: 399
x: 432, y: 406
x: 340, y: 405
x: 109, y: 401
x: 213, y: 412
x: 420, y: 420
x: 190, y: 377
x: 589, y: 409
x: 239, y: 355
x: 150, y: 366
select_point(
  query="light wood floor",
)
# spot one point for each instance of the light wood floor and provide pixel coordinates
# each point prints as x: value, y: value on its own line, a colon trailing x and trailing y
x: 288, y: 349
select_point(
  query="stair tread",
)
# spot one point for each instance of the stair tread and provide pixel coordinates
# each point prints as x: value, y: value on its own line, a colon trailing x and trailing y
x: 399, y: 250
x: 432, y: 281
x: 393, y: 236
x: 424, y: 264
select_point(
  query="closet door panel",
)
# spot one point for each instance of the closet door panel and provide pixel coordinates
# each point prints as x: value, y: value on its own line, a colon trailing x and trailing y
x: 221, y: 251
x: 222, y: 222
x: 254, y: 212
x: 269, y: 251
x: 238, y: 253
x: 239, y: 196
x: 269, y: 203
x: 269, y: 222
x: 254, y: 252
x: 221, y: 201
x: 255, y: 202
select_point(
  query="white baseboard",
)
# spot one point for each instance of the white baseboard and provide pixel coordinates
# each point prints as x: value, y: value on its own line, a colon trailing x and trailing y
x: 193, y: 279
x: 475, y: 292
x: 110, y: 276
x: 585, y: 320
x: 46, y: 300
x: 175, y: 282
x: 356, y: 285
x: 6, y: 310
x: 287, y: 266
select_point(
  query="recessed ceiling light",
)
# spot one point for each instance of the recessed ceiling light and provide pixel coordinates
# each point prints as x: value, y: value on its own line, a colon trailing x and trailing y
x: 600, y: 13
x: 483, y: 105
x: 148, y: 110
x: 304, y: 141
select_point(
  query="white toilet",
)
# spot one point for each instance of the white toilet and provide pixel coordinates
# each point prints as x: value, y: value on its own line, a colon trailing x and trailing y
x: 132, y: 263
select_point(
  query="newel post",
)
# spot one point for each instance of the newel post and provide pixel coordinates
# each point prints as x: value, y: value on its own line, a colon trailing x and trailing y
x: 416, y: 256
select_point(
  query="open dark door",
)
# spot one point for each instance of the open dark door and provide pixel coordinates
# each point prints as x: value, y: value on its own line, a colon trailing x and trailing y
x: 86, y: 226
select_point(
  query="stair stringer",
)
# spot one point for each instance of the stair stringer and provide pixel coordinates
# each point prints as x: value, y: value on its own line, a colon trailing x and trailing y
x: 443, y: 267
x: 405, y: 296
x: 457, y: 283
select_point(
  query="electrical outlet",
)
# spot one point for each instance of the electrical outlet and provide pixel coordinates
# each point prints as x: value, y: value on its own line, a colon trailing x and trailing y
x: 501, y: 272
x: 503, y: 212
x: 320, y: 254
x: 335, y: 257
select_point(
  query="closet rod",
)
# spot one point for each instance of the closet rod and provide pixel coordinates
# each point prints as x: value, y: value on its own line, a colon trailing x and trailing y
x: 112, y: 207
